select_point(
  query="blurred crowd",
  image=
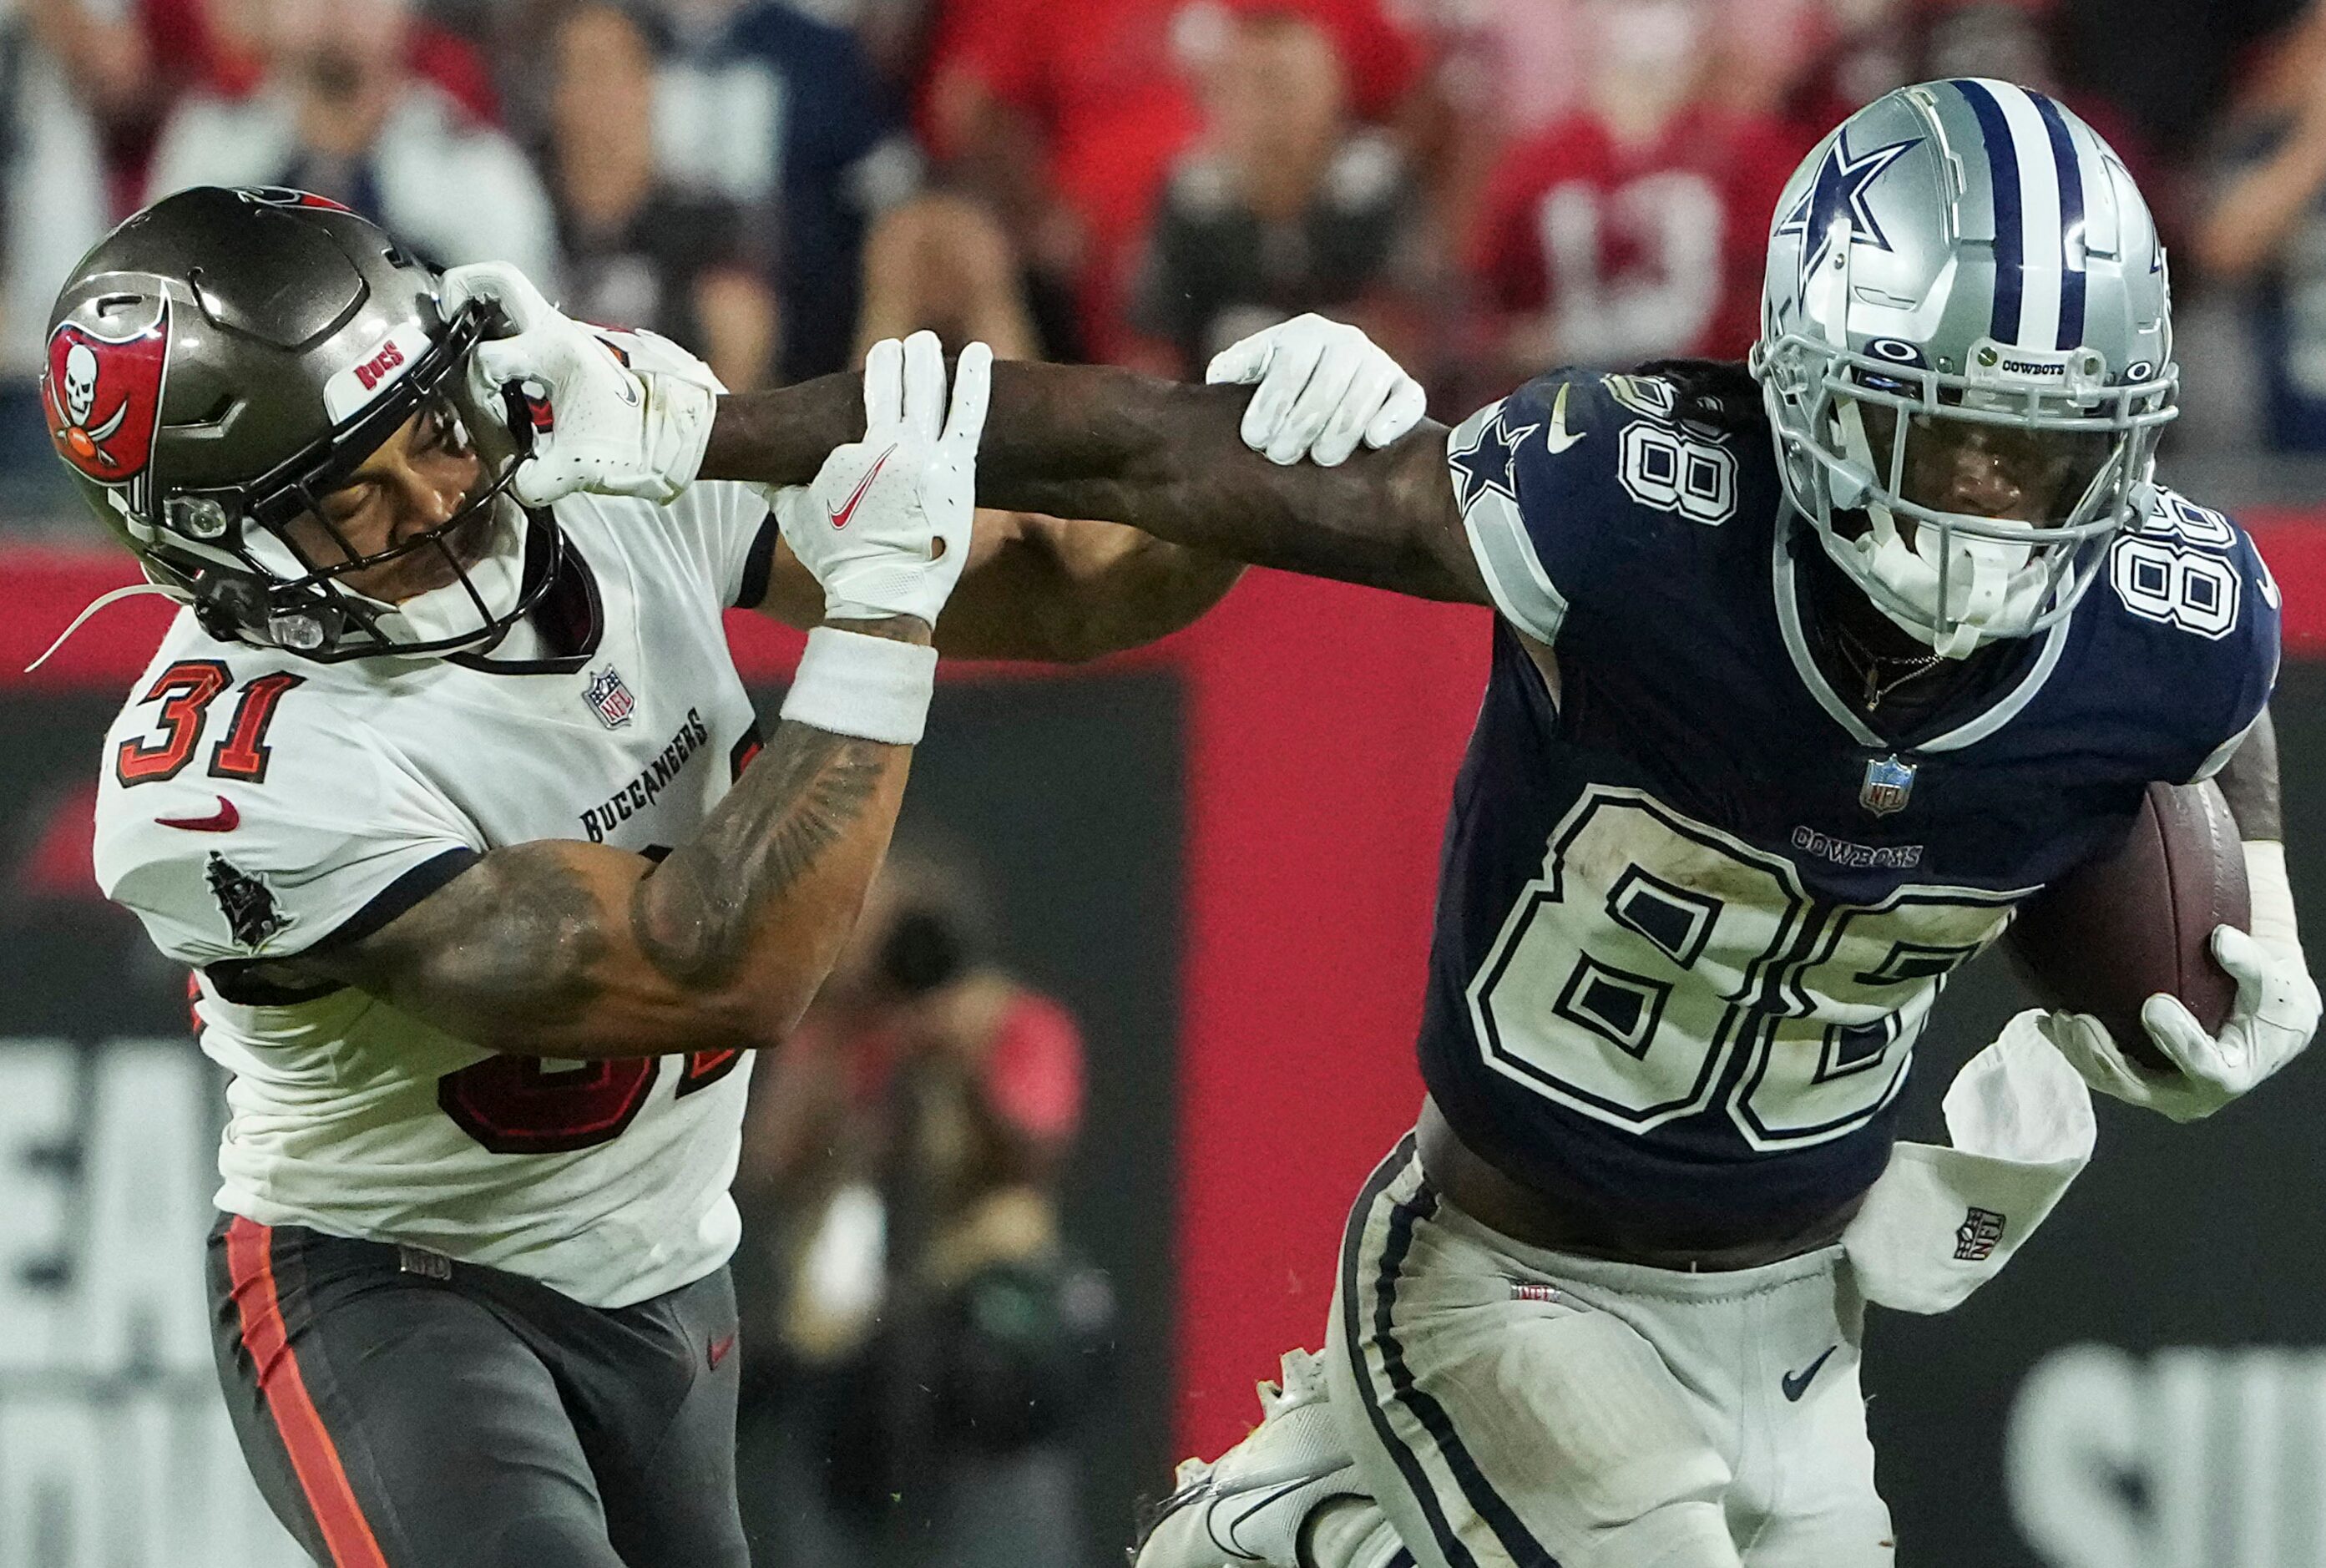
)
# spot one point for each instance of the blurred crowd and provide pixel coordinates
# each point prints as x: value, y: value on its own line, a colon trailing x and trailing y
x: 1489, y: 186
x: 925, y: 1341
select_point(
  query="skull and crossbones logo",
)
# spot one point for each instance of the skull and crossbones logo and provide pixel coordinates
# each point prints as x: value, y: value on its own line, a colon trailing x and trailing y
x: 103, y: 394
x: 81, y: 402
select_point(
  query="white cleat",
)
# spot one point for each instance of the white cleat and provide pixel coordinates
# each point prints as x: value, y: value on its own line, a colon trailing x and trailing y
x: 1248, y: 1505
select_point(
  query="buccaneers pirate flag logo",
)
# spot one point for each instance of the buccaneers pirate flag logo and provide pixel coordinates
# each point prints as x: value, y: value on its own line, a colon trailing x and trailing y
x: 104, y: 396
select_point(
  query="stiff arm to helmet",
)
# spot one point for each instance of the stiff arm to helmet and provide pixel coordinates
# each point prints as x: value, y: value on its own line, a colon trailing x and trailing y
x: 224, y: 359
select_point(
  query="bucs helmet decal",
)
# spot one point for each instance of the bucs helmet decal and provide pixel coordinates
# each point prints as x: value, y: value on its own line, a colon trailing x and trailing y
x: 103, y: 395
x: 285, y: 196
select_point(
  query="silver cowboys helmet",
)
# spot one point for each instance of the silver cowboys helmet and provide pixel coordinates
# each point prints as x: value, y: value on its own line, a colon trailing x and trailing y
x: 1967, y: 355
x: 225, y: 358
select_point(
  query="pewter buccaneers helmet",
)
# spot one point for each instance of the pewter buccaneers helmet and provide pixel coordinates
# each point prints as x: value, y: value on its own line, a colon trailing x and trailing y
x: 1965, y: 266
x: 226, y: 358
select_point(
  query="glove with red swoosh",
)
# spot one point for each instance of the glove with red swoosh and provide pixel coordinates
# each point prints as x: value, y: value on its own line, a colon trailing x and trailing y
x: 885, y: 524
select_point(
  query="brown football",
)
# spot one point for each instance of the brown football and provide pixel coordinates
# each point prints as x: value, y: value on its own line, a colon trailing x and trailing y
x: 2119, y: 929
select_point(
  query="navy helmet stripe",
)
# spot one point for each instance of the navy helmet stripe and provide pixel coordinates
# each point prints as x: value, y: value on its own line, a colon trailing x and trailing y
x: 2072, y: 221
x: 2010, y: 241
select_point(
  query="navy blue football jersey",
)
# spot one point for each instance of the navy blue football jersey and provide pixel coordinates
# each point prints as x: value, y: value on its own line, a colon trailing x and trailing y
x: 1694, y: 910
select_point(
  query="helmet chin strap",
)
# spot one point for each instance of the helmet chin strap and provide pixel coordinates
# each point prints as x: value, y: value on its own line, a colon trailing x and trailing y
x: 1967, y: 591
x: 101, y: 601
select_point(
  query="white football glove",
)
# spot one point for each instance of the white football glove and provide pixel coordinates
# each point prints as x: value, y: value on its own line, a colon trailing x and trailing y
x: 885, y: 525
x: 620, y: 413
x: 2274, y: 1015
x: 1323, y: 386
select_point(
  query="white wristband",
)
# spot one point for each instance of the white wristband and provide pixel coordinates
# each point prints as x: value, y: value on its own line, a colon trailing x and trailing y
x: 2271, y: 895
x: 853, y: 684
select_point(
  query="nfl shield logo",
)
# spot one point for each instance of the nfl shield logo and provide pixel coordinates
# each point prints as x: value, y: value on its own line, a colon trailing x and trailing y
x: 1889, y: 783
x: 610, y: 699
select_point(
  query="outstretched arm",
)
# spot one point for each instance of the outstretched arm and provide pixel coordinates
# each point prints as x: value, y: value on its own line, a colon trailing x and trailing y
x: 1046, y: 588
x: 1085, y: 441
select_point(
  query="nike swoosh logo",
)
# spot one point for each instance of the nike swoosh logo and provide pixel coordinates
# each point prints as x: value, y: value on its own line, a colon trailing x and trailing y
x: 848, y: 508
x: 1557, y: 438
x: 1231, y: 1546
x: 629, y: 387
x: 718, y: 1349
x: 1796, y: 1384
x: 227, y: 820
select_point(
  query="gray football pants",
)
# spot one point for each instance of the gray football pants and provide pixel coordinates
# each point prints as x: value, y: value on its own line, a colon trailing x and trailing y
x: 403, y: 1411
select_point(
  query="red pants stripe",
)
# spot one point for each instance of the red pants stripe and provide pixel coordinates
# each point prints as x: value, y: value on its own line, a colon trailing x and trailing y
x: 314, y: 1457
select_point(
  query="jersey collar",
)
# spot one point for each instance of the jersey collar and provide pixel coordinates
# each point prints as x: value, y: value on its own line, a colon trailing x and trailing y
x: 2000, y: 710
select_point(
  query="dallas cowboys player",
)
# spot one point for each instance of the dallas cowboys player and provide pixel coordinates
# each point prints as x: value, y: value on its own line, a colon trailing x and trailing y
x: 452, y: 804
x: 1797, y: 689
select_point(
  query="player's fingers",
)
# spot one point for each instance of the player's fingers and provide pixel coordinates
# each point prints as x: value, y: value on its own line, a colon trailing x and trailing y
x: 1290, y: 366
x: 1346, y: 427
x: 1242, y: 361
x: 925, y: 385
x: 496, y: 282
x: 884, y: 385
x: 507, y: 360
x: 1403, y: 411
x: 1326, y: 387
x: 2247, y: 964
x: 543, y: 477
x: 2183, y: 1040
x: 972, y: 388
x: 2084, y: 1041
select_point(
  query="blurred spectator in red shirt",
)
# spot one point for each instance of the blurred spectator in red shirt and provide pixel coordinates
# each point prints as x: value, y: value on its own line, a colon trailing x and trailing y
x: 1068, y: 122
x: 639, y: 252
x: 1843, y: 57
x: 339, y: 111
x: 1635, y: 228
x: 238, y: 40
x: 1281, y: 206
x: 127, y: 64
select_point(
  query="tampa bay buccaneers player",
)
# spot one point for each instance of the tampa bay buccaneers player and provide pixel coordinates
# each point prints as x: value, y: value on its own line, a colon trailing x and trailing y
x: 455, y: 804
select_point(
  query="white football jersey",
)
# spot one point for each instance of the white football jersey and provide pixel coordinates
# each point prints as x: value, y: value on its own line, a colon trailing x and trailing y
x: 253, y: 803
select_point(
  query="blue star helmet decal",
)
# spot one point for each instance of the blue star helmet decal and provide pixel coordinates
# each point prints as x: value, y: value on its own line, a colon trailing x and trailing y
x: 1839, y: 192
x: 1488, y: 463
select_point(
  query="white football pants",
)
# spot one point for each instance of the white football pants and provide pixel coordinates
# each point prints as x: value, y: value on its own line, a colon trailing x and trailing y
x: 1510, y: 1407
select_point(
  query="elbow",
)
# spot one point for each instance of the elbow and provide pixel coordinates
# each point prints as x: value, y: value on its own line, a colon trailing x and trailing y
x: 1091, y: 637
x: 755, y: 1012
x: 1134, y: 620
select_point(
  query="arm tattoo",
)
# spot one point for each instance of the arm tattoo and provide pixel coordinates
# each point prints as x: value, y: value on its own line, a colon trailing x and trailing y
x: 524, y: 933
x: 1087, y: 440
x: 693, y: 916
x: 521, y: 927
x: 537, y: 942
